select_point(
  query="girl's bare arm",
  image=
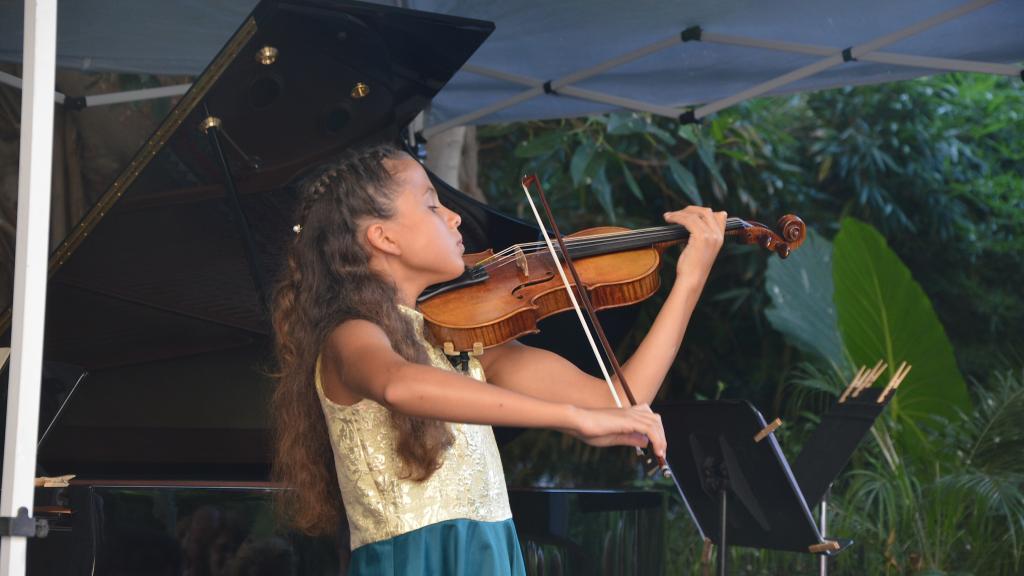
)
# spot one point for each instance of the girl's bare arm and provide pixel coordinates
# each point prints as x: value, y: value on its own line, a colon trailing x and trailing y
x: 361, y: 354
x: 546, y: 375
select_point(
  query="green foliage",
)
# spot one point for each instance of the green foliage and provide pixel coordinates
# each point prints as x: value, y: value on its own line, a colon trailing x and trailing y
x: 884, y: 314
x: 959, y: 505
x: 802, y: 305
x: 961, y: 515
x: 935, y: 166
x: 616, y: 161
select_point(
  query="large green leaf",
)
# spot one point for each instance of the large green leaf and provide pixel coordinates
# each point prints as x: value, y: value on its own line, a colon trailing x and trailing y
x: 884, y: 313
x: 801, y: 291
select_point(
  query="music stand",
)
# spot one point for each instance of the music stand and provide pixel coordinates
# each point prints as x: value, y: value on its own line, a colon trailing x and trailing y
x: 737, y: 484
x: 830, y: 447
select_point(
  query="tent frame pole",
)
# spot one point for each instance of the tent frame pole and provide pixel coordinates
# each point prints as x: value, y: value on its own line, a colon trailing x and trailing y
x: 127, y: 96
x: 94, y: 100
x: 30, y: 274
x: 575, y: 92
x: 854, y: 52
x: 15, y: 82
x: 947, y: 64
x: 555, y: 85
x: 833, y: 57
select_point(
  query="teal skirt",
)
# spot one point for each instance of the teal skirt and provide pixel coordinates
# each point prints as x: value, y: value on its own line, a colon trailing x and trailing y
x: 450, y: 548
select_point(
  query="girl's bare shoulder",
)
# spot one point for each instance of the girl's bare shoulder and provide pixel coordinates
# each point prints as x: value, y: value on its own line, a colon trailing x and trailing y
x: 354, y: 353
x: 356, y: 337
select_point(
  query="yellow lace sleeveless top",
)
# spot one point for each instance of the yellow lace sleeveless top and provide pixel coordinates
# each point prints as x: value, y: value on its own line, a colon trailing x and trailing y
x: 379, y: 503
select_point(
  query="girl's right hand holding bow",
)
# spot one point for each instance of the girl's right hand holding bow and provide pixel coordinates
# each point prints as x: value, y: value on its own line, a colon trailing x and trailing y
x: 632, y: 426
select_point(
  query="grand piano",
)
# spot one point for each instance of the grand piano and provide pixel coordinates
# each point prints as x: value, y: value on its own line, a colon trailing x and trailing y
x: 157, y: 346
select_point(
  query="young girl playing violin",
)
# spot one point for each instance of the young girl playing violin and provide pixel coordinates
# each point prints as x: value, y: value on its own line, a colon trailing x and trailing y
x: 373, y: 423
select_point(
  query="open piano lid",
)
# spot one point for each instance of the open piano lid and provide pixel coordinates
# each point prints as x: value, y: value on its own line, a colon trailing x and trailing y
x: 152, y: 293
x: 162, y: 244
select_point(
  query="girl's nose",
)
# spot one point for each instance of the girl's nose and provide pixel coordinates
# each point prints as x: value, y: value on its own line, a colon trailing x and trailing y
x: 455, y: 219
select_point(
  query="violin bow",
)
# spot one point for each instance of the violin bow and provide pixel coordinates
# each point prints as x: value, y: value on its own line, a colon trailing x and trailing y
x: 532, y: 179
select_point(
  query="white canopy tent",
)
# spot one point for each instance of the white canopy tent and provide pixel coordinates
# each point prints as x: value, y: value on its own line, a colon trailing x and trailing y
x: 546, y: 59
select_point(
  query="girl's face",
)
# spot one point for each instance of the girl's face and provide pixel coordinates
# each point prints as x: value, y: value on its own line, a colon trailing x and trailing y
x: 425, y: 231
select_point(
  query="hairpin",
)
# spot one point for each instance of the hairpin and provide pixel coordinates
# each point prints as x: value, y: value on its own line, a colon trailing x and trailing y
x: 297, y: 228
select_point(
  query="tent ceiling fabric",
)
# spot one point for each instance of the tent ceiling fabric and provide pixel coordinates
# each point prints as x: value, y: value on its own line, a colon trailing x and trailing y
x: 546, y: 40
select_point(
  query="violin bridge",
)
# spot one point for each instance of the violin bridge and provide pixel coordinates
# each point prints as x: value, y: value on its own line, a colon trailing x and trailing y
x: 521, y: 263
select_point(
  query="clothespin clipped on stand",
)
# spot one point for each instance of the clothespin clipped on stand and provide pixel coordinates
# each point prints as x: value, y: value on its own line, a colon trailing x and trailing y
x: 771, y: 427
x: 826, y: 546
x: 705, y: 557
x: 864, y: 379
x: 895, y: 381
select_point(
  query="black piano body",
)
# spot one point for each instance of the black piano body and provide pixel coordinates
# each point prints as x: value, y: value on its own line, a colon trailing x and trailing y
x: 172, y: 527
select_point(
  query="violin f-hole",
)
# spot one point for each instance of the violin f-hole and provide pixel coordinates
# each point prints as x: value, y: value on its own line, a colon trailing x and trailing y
x: 547, y: 278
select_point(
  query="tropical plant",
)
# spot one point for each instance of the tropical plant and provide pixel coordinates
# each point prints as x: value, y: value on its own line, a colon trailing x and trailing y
x: 935, y: 165
x: 931, y: 499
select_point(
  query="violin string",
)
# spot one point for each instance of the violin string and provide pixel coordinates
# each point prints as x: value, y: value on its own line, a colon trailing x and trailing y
x: 511, y: 259
x: 530, y: 247
x: 595, y: 239
x: 731, y: 223
x: 511, y: 254
x: 574, y: 240
x: 584, y: 241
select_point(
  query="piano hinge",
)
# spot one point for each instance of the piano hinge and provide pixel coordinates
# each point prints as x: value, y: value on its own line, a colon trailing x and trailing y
x: 24, y: 525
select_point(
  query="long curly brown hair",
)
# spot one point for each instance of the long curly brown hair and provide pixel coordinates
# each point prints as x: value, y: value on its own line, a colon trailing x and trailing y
x: 326, y: 281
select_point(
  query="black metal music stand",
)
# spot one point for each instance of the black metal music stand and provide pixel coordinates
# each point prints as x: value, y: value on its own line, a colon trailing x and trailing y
x: 739, y: 487
x: 830, y: 447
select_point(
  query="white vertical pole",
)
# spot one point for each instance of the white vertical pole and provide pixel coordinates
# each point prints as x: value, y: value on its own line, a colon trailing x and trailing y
x: 30, y: 272
x: 823, y: 529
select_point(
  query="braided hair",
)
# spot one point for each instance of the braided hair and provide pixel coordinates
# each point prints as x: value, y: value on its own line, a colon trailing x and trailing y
x: 326, y: 281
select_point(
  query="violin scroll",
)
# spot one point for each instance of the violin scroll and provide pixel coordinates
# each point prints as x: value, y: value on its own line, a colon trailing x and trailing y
x: 790, y: 235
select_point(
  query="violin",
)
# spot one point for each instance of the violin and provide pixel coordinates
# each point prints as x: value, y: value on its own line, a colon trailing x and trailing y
x: 502, y: 295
